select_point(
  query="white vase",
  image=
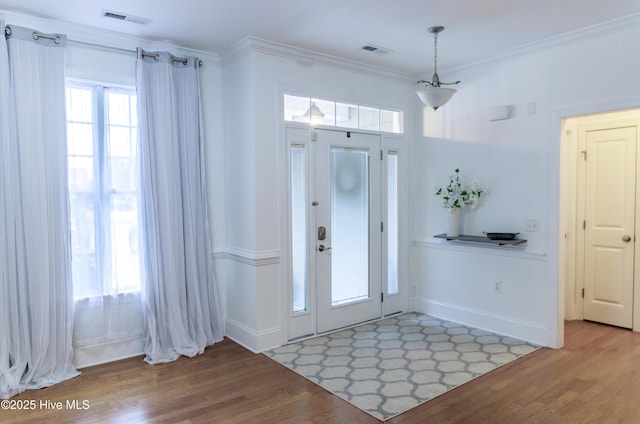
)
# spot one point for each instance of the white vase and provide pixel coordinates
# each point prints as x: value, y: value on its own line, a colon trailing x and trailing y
x: 453, y: 222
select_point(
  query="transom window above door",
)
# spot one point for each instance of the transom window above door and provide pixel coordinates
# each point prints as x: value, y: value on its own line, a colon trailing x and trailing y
x: 344, y: 115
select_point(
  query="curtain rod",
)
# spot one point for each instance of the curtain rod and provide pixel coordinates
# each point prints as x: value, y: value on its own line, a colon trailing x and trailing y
x: 174, y: 59
x: 56, y: 39
x: 36, y: 35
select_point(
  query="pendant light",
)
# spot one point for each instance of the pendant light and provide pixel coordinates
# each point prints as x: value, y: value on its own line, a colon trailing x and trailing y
x: 432, y: 94
x: 313, y: 114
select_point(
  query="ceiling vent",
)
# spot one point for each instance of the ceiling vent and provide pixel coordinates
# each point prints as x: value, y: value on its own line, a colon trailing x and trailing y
x: 376, y: 49
x: 124, y: 17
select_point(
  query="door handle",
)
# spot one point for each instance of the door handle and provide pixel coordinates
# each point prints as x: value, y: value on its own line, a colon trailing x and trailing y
x: 321, y: 248
x: 626, y: 238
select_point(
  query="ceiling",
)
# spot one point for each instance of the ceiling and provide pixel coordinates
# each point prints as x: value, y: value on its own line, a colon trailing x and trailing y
x: 474, y: 28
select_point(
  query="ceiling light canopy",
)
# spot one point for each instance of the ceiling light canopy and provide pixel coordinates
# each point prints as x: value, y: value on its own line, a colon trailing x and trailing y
x: 432, y: 94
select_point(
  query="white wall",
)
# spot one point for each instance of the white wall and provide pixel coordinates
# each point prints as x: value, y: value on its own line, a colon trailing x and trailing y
x: 518, y: 160
x: 256, y: 75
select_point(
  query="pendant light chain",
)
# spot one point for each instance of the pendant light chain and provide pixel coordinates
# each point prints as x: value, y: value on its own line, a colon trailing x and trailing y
x: 435, y: 52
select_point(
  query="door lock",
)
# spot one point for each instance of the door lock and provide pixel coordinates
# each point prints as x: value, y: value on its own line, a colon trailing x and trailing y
x: 322, y: 233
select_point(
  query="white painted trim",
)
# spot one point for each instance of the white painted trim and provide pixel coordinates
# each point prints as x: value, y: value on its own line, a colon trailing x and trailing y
x: 249, y: 257
x: 470, y: 247
x: 269, y: 339
x: 524, y: 330
x: 568, y: 37
x: 89, y: 356
x: 259, y: 45
x: 558, y: 249
x: 241, y: 334
x: 581, y: 124
x: 255, y: 341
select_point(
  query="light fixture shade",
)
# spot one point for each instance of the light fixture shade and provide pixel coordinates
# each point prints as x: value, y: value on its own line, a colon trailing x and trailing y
x: 313, y: 113
x: 435, y: 96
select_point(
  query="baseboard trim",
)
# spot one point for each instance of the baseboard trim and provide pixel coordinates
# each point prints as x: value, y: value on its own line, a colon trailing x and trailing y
x: 255, y: 341
x: 528, y: 331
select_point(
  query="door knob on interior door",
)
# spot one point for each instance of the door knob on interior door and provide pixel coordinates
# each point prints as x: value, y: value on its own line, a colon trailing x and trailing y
x: 321, y: 248
x: 626, y: 238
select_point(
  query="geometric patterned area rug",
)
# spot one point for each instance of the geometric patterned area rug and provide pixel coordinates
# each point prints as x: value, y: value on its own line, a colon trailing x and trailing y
x: 390, y: 366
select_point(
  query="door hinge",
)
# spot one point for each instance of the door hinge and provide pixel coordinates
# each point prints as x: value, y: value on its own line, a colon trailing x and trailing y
x: 381, y: 296
x: 584, y: 154
x: 381, y: 154
x: 382, y: 227
x: 584, y: 224
x: 583, y: 293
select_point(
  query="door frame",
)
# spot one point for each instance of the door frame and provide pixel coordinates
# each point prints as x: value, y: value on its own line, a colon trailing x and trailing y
x: 572, y: 182
x: 393, y: 304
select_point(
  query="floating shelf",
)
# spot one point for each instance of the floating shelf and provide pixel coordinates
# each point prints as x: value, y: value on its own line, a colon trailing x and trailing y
x: 481, y: 239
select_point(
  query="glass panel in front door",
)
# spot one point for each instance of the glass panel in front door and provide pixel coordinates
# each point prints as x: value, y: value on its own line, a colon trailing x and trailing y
x: 392, y: 222
x: 298, y: 228
x: 349, y: 190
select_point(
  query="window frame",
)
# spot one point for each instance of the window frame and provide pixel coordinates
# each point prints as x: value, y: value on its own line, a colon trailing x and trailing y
x: 329, y: 118
x: 102, y: 193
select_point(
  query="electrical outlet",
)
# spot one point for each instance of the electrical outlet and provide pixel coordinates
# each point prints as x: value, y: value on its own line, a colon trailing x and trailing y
x: 497, y: 287
x: 532, y: 225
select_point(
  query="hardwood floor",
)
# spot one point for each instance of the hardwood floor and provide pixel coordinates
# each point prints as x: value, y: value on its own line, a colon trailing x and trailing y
x: 594, y: 379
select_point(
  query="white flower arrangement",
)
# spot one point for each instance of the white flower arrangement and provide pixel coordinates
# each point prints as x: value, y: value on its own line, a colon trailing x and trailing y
x: 457, y: 194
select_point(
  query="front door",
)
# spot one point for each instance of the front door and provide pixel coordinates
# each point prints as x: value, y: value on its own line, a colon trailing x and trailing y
x: 610, y: 225
x: 347, y: 228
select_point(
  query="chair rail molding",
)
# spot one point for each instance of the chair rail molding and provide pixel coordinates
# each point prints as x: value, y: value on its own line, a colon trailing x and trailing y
x: 255, y: 258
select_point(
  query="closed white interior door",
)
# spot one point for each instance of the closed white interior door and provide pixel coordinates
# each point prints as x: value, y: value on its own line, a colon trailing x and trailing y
x: 347, y: 228
x: 610, y: 225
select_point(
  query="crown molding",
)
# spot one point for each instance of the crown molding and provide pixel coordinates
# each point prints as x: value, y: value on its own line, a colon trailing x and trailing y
x: 99, y: 38
x: 252, y: 44
x: 546, y: 43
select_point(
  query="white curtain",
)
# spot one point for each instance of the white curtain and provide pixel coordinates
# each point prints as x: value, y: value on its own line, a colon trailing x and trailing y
x: 108, y: 319
x: 36, y: 291
x: 182, y: 315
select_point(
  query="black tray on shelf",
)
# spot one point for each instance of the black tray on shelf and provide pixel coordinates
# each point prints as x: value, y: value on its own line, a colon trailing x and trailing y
x: 482, y: 239
x: 501, y: 236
